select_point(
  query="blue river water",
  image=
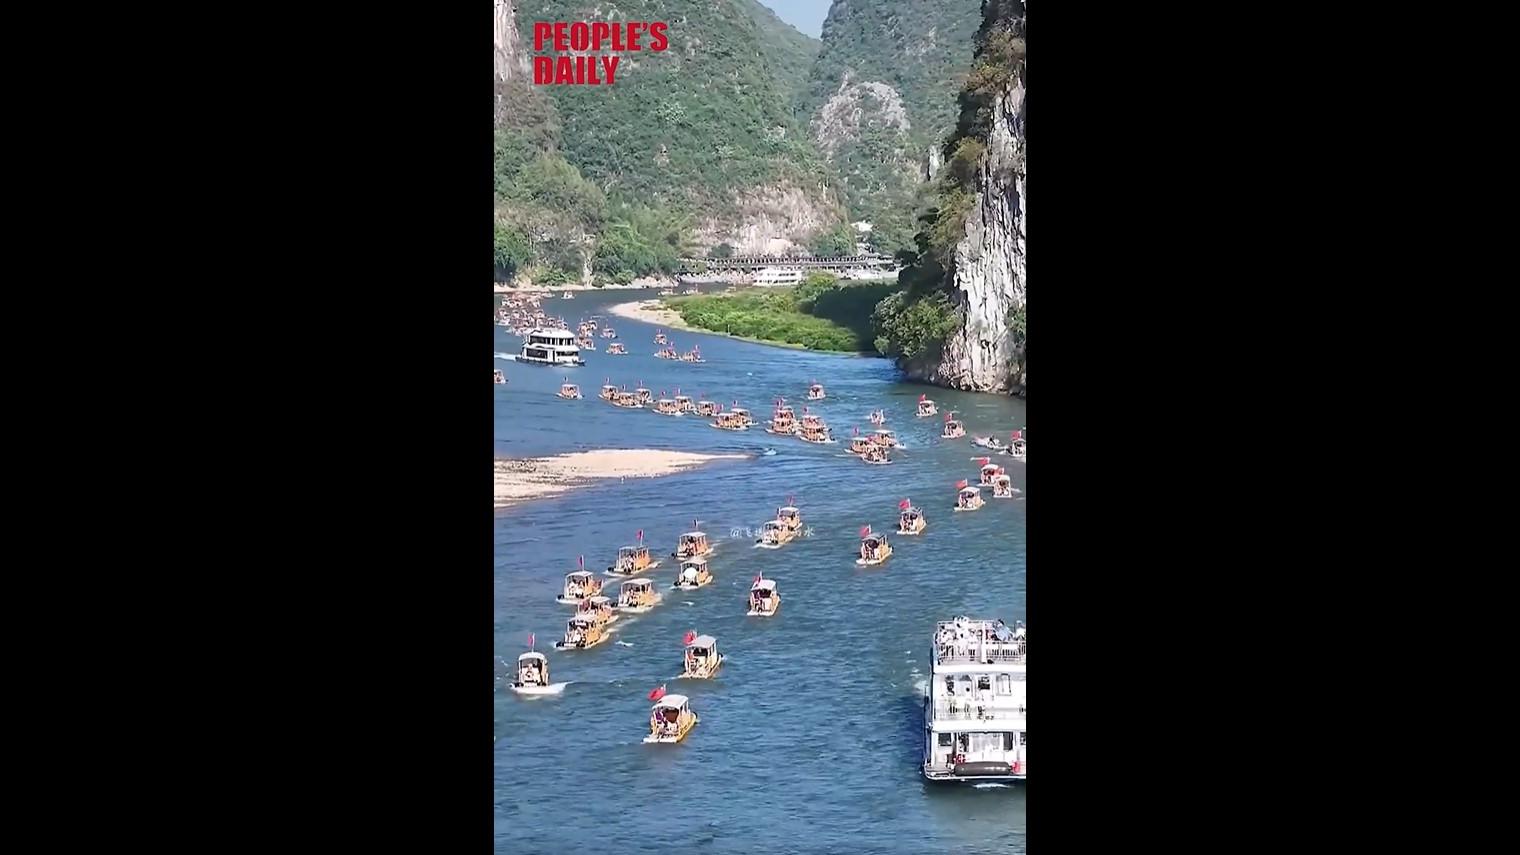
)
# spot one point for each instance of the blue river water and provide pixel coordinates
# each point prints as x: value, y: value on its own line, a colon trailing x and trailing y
x: 811, y: 736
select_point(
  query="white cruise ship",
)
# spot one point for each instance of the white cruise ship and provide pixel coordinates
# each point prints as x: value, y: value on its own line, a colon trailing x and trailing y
x: 779, y: 276
x: 974, y: 725
x: 550, y: 347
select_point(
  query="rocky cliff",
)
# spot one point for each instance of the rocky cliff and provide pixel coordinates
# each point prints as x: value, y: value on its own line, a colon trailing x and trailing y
x: 960, y: 322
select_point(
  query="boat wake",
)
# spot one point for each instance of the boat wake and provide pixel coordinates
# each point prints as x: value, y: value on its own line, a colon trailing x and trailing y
x: 509, y: 357
x: 540, y: 691
x: 991, y: 785
x: 623, y: 643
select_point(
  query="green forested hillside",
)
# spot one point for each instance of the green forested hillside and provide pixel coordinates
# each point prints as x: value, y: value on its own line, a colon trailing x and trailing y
x: 919, y: 48
x: 788, y: 52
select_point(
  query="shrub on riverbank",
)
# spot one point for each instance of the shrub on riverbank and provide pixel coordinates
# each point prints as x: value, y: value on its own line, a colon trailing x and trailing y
x: 820, y: 314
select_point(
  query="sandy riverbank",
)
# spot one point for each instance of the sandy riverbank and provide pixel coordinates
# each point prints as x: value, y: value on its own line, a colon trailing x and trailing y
x: 520, y: 480
x: 653, y: 312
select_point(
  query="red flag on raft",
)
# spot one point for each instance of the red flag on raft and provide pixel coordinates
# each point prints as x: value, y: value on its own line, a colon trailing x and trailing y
x: 530, y: 641
x: 865, y: 530
x: 658, y: 693
x: 689, y: 637
x: 985, y: 460
x: 1016, y: 434
x: 758, y: 577
x: 641, y: 534
x: 961, y: 484
x: 583, y: 562
x: 904, y: 504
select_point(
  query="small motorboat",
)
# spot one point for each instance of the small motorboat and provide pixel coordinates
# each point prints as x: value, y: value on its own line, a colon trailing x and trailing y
x: 860, y: 444
x: 874, y: 548
x: 783, y: 421
x: 925, y: 407
x: 567, y: 296
x: 911, y: 520
x: 582, y: 632
x: 608, y: 392
x: 532, y: 676
x: 790, y: 517
x: 643, y: 396
x: 667, y: 407
x: 1002, y: 486
x: 666, y: 352
x: 579, y: 587
x: 685, y: 404
x: 969, y: 498
x: 692, y: 575
x: 876, y: 455
x: 730, y: 421
x: 709, y: 408
x: 693, y: 355
x: 499, y: 377
x: 659, y: 338
x: 815, y: 392
x: 885, y: 438
x: 954, y: 429
x: 988, y: 472
x: 638, y: 596
x: 774, y: 535
x: 633, y: 560
x: 1016, y: 446
x: 812, y: 429
x: 989, y: 442
x: 609, y: 332
x: 741, y: 413
x: 617, y: 349
x: 670, y: 719
x: 693, y: 544
x: 878, y: 417
x: 600, y: 609
x: 769, y: 452
x: 627, y: 400
x: 702, y: 659
x: 570, y: 391
x: 764, y: 599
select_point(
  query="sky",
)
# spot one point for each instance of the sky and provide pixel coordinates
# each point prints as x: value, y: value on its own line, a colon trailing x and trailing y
x: 805, y: 15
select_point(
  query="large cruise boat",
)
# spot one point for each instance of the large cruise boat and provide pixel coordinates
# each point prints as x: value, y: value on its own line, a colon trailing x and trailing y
x: 974, y: 726
x: 770, y: 276
x: 550, y: 347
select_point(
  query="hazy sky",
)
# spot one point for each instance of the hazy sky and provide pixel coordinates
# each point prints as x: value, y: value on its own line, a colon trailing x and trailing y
x: 805, y: 15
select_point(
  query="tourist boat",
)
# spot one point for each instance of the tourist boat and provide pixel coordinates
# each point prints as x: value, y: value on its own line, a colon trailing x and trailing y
x: 599, y: 608
x: 586, y: 342
x: 764, y: 599
x: 579, y: 587
x: 774, y: 535
x: 633, y: 560
x: 968, y: 499
x: 693, y: 355
x: 570, y: 390
x: 885, y: 438
x: 670, y: 719
x: 860, y: 444
x: 730, y: 421
x: 974, y: 703
x: 790, y: 517
x: 815, y: 392
x: 741, y: 413
x: 1002, y: 486
x: 878, y: 417
x: 582, y: 632
x: 709, y: 408
x: 659, y: 338
x: 609, y: 332
x: 989, y: 471
x: 702, y: 659
x: 876, y: 455
x: 693, y: 575
x: 643, y: 396
x: 693, y: 544
x: 638, y: 596
x: 667, y: 407
x: 685, y: 404
x: 567, y: 296
x: 1016, y: 446
x: 608, y: 392
x: 911, y: 520
x: 953, y: 428
x: 874, y: 548
x: 925, y: 407
x: 783, y: 421
x: 627, y: 400
x: 550, y: 347
x: 532, y: 676
x: 617, y: 349
x: 498, y: 377
x: 666, y: 353
x: 812, y: 429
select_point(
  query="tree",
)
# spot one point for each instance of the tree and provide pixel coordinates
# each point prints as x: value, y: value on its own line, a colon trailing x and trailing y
x: 837, y: 241
x: 513, y: 252
x: 722, y: 250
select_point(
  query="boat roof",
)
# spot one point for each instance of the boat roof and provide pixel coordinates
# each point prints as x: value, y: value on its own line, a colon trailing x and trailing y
x: 675, y: 701
x: 608, y: 386
x: 637, y: 583
x: 567, y: 385
x: 695, y: 534
x: 641, y: 389
x: 986, y: 466
x: 970, y: 490
x: 1003, y: 476
x: 738, y: 410
x: 578, y: 574
x: 683, y: 397
x: 582, y: 618
x: 875, y: 535
x: 792, y: 508
x: 694, y: 562
x: 598, y: 599
x: 667, y: 401
x: 634, y: 548
x: 532, y: 655
x: 772, y: 524
x: 703, y: 641
x: 764, y: 585
x: 881, y: 430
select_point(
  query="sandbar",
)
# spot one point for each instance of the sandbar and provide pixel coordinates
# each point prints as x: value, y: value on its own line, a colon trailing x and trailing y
x: 522, y: 479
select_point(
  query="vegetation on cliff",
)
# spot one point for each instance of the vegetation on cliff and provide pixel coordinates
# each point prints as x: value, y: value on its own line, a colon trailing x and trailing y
x: 820, y: 314
x: 918, y: 321
x: 921, y: 49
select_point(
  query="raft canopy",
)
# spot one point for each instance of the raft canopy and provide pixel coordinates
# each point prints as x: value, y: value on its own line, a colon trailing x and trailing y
x: 772, y: 525
x: 582, y: 620
x: 532, y: 656
x: 705, y: 642
x: 764, y: 585
x: 599, y: 601
x: 875, y: 539
x: 637, y: 584
x: 673, y: 702
x: 969, y: 491
x: 578, y: 576
x: 694, y: 563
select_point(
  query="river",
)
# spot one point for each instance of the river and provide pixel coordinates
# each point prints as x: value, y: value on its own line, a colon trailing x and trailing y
x: 811, y: 736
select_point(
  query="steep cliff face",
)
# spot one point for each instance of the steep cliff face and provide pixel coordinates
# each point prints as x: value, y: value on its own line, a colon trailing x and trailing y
x: 987, y: 353
x: 960, y: 321
x: 511, y: 60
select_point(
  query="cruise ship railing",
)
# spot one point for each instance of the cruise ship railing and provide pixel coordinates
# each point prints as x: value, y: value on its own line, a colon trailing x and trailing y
x: 1002, y: 653
x: 975, y: 712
